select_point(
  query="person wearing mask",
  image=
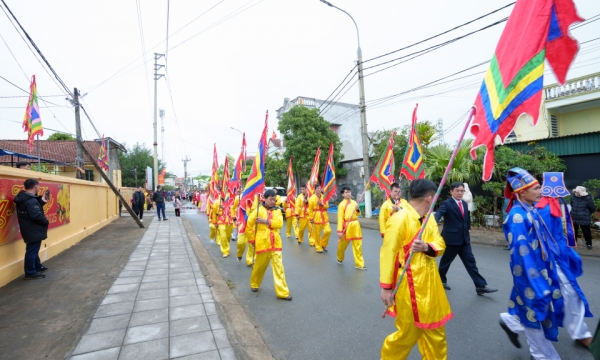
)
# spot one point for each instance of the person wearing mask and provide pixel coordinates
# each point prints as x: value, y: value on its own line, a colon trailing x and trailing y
x: 159, y: 200
x: 420, y: 305
x: 391, y: 206
x: 349, y: 230
x: 302, y: 215
x: 33, y: 225
x: 268, y: 222
x: 139, y: 201
x: 456, y: 234
x: 582, y: 207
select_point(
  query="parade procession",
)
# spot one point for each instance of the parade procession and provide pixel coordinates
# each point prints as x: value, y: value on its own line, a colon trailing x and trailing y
x: 441, y: 202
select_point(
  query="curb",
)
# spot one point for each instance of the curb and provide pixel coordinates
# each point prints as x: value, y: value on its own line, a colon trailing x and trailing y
x: 247, y: 343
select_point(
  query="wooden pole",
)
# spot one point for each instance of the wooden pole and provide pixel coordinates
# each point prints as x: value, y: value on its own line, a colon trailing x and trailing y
x: 110, y: 184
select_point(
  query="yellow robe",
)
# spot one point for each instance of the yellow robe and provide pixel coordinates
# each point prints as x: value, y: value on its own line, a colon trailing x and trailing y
x: 268, y: 250
x: 349, y: 228
x: 290, y: 219
x: 303, y: 223
x: 317, y: 214
x: 386, y: 211
x: 223, y: 222
x: 421, y: 306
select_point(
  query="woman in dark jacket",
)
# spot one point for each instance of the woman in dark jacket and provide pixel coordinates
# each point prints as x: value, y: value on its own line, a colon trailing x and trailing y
x: 582, y: 207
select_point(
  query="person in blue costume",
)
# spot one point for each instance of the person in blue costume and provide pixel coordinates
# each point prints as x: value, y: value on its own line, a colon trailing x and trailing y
x: 536, y: 305
x: 568, y: 262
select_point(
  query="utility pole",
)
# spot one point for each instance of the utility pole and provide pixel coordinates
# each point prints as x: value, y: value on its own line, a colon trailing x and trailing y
x: 79, y: 159
x: 157, y: 76
x: 161, y: 113
x: 185, y: 161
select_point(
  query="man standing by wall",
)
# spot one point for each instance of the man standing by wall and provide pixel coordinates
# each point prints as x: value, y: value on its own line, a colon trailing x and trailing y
x: 138, y: 203
x: 33, y: 226
x: 159, y: 199
x: 456, y: 234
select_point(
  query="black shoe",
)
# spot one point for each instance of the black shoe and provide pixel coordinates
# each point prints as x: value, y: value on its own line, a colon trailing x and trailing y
x: 42, y: 269
x: 165, y: 219
x: 239, y: 259
x: 299, y: 242
x: 485, y: 290
x: 512, y: 336
x: 589, y: 246
x: 324, y: 248
x: 254, y: 289
x: 289, y: 298
x: 446, y: 286
x: 34, y: 276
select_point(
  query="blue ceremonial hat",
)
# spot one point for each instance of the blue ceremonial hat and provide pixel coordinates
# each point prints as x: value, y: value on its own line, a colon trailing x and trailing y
x: 518, y: 180
x: 554, y: 185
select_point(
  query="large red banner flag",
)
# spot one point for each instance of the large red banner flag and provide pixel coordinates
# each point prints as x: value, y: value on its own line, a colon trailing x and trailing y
x: 240, y: 165
x: 291, y: 187
x: 314, y: 174
x: 255, y: 184
x: 412, y: 164
x: 536, y: 30
x: 383, y: 175
x: 329, y: 186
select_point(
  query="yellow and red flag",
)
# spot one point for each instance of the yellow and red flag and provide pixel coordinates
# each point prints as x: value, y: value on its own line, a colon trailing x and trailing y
x: 385, y: 169
x: 412, y: 165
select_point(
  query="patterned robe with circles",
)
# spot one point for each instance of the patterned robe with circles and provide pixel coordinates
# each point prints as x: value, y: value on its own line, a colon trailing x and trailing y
x: 536, y: 300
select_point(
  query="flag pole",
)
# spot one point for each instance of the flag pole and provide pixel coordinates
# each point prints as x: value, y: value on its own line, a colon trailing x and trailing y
x: 435, y: 198
x: 38, y: 148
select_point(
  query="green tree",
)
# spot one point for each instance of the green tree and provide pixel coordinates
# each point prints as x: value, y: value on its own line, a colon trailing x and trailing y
x: 464, y: 169
x: 304, y: 130
x: 137, y: 158
x: 61, y: 136
x: 276, y: 171
x: 428, y: 134
x: 379, y: 142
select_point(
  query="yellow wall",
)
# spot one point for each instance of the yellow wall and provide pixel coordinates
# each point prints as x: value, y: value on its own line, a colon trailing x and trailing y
x: 578, y: 122
x: 93, y: 206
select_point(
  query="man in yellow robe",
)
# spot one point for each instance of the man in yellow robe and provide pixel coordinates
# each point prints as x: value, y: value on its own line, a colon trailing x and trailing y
x: 391, y: 206
x: 246, y: 237
x: 290, y: 218
x: 348, y: 229
x: 223, y: 221
x: 319, y: 220
x: 302, y: 215
x: 268, y: 223
x: 420, y: 305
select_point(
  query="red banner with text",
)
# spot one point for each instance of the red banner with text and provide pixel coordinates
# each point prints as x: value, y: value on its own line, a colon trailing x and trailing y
x: 57, y: 209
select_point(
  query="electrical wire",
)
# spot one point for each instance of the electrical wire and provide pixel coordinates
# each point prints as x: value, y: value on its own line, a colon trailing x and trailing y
x: 349, y: 72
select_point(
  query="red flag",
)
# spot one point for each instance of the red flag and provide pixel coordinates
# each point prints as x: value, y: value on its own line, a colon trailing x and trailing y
x: 536, y: 30
x: 240, y: 165
x: 329, y: 186
x: 412, y: 165
x: 291, y: 188
x: 313, y: 180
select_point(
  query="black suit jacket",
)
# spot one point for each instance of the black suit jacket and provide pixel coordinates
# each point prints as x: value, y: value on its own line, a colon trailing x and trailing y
x: 456, y: 227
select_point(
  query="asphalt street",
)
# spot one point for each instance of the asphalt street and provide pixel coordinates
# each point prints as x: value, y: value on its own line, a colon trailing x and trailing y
x: 336, y: 310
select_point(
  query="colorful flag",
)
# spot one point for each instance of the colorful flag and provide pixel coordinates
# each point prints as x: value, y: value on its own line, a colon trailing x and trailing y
x: 383, y: 175
x: 240, y: 165
x: 32, y: 123
x: 329, y: 186
x: 291, y: 188
x: 103, y: 157
x: 313, y: 180
x: 536, y: 30
x: 412, y: 165
x: 255, y: 184
x: 214, y: 179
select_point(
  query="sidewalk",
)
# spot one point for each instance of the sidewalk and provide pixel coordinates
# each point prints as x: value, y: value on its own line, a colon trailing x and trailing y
x: 159, y: 307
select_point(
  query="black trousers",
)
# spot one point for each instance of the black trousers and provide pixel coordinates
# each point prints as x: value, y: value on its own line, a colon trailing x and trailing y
x: 139, y: 211
x: 468, y: 259
x: 32, y: 262
x: 177, y: 212
x: 587, y: 233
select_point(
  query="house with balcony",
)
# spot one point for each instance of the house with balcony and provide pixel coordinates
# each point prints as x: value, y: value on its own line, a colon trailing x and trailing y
x: 344, y: 120
x: 568, y: 125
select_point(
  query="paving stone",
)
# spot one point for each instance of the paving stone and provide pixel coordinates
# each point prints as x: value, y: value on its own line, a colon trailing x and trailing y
x: 128, y: 280
x: 200, y: 281
x: 192, y: 344
x: 100, y: 341
x: 114, y: 309
x: 204, y: 289
x: 182, y: 282
x: 227, y: 354
x: 207, y: 298
x: 183, y: 270
x: 210, y: 309
x: 185, y: 300
x: 123, y: 288
x: 189, y: 325
x: 221, y: 338
x: 149, y: 317
x: 150, y: 278
x: 179, y: 276
x: 184, y: 290
x: 153, y: 285
x: 151, y: 304
x: 155, y: 350
x: 106, y: 354
x: 145, y: 333
x: 152, y: 270
x: 209, y: 355
x: 131, y: 273
x: 109, y: 323
x: 187, y: 311
x: 215, y: 322
x: 120, y: 297
x: 134, y: 267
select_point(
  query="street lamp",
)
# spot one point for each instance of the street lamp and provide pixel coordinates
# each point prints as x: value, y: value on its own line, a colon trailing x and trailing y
x: 363, y: 114
x: 232, y: 128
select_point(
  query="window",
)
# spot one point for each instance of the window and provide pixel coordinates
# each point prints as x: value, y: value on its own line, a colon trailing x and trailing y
x: 554, y: 132
x: 89, y: 175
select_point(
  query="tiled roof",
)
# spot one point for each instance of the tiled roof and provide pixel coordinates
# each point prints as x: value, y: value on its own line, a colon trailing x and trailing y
x: 59, y: 150
x: 276, y: 142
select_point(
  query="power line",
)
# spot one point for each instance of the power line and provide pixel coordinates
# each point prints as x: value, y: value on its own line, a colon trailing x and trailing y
x: 349, y: 72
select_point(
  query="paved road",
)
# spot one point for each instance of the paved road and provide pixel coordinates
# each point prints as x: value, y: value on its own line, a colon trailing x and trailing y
x: 336, y: 309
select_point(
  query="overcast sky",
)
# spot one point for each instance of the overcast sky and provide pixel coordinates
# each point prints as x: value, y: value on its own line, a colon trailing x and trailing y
x: 241, y: 58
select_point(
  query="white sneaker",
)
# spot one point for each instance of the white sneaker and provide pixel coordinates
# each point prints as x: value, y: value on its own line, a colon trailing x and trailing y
x: 141, y: 220
x: 225, y: 256
x: 360, y: 268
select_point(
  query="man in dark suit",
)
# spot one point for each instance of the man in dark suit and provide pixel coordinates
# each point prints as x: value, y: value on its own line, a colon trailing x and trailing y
x: 456, y: 234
